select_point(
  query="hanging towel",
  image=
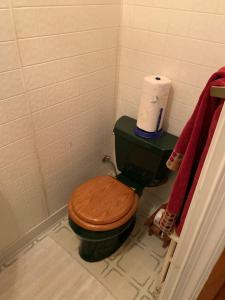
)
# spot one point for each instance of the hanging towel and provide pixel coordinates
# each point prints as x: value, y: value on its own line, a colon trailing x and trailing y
x: 189, y: 154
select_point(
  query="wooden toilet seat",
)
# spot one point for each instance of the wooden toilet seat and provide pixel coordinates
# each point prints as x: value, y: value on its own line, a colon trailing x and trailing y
x: 102, y: 203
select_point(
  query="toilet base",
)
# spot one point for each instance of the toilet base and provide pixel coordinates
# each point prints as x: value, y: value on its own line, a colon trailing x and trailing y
x: 96, y: 246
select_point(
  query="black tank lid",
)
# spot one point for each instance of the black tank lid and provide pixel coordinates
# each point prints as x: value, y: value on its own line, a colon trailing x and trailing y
x: 124, y: 127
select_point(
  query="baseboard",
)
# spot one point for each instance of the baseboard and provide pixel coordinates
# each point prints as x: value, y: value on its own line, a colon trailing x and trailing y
x: 19, y: 244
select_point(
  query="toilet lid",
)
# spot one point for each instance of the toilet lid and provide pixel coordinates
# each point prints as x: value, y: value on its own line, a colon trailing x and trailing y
x: 102, y: 200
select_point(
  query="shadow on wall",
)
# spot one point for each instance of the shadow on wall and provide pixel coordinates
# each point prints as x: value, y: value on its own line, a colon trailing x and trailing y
x: 9, y: 280
x: 8, y: 223
x: 168, y: 109
x: 8, y: 232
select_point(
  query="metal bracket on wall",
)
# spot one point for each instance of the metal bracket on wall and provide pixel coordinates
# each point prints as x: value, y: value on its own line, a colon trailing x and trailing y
x: 218, y: 92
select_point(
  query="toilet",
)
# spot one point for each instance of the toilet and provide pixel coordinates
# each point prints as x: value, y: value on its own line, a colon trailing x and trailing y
x: 102, y: 210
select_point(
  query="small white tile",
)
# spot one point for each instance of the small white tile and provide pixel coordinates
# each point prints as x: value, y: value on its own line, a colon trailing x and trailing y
x: 57, y: 113
x: 4, y: 4
x: 13, y: 108
x: 18, y: 173
x: 195, y: 5
x: 131, y: 77
x: 11, y: 84
x: 15, y: 151
x: 204, y: 5
x: 127, y: 15
x: 80, y: 123
x: 185, y: 93
x: 37, y: 50
x: 152, y: 42
x: 6, y: 28
x: 30, y: 3
x: 96, y: 80
x: 154, y: 3
x: 195, y: 74
x: 52, y: 72
x: 8, y: 221
x: 159, y: 19
x: 9, y: 59
x: 133, y: 38
x: 62, y: 185
x: 54, y: 20
x: 179, y: 22
x: 174, y: 47
x: 126, y: 108
x: 27, y: 207
x: 53, y: 94
x: 59, y: 193
x: 21, y: 186
x: 128, y: 93
x: 200, y: 26
x: 179, y: 111
x: 171, y: 68
x: 142, y: 17
x: 174, y: 126
x: 58, y: 131
x: 131, y: 2
x: 181, y: 5
x: 156, y: 43
x: 220, y: 7
x: 217, y: 29
x: 144, y: 62
x: 216, y: 55
x: 69, y: 109
x: 15, y: 130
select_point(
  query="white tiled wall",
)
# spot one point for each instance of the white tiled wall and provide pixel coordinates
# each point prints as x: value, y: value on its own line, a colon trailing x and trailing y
x: 58, y: 63
x: 57, y: 81
x: 183, y: 40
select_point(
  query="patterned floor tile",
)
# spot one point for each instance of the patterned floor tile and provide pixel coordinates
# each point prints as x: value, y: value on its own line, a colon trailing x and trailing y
x: 138, y: 265
x: 151, y: 244
x: 128, y: 274
x: 47, y: 272
x: 121, y: 287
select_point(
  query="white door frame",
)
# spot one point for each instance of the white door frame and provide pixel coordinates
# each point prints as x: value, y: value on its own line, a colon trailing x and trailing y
x: 203, y: 235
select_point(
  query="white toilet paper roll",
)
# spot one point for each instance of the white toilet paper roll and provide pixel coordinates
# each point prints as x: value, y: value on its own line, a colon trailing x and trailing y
x: 153, y: 102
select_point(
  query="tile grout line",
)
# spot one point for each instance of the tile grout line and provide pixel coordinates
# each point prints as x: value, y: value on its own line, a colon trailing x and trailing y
x: 117, y: 71
x: 63, y: 33
x: 44, y: 62
x: 69, y: 56
x: 117, y: 4
x: 37, y: 64
x: 184, y: 82
x: 49, y: 144
x: 177, y: 9
x: 166, y: 33
x: 45, y: 203
x: 69, y: 99
x: 76, y: 5
x: 80, y: 76
x: 56, y: 104
x: 96, y: 29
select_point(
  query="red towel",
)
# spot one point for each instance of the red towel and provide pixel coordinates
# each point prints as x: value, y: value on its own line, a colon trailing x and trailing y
x: 190, y: 152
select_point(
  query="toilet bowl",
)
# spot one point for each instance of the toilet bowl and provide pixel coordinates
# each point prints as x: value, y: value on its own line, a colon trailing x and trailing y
x: 102, y: 210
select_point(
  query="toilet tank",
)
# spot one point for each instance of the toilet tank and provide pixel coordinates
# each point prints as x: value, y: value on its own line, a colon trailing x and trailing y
x: 141, y: 161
